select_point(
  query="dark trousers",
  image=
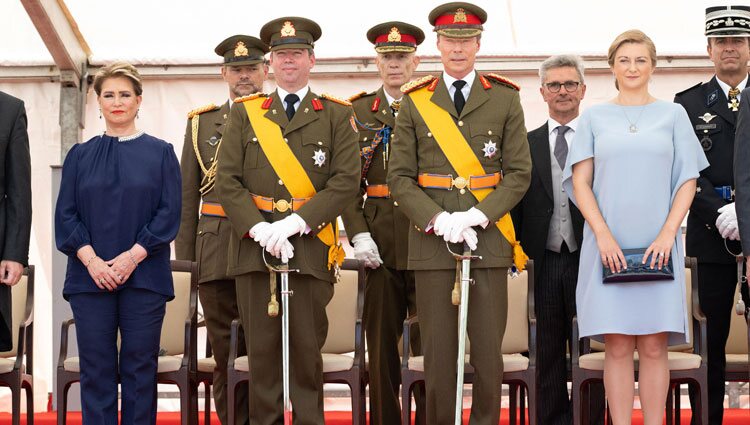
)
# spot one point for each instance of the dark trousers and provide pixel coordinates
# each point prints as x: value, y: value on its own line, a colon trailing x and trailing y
x: 308, y: 326
x: 555, y: 300
x: 718, y: 283
x: 438, y: 323
x: 390, y: 295
x: 219, y: 301
x: 138, y: 315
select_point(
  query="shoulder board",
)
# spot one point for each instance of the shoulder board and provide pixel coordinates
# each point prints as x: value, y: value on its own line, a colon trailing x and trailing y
x: 418, y: 83
x: 504, y: 81
x: 202, y: 109
x: 335, y: 99
x: 360, y: 95
x: 249, y: 97
x: 689, y: 89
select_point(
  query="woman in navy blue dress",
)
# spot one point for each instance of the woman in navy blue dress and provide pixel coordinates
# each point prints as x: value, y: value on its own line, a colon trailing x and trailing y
x: 117, y: 212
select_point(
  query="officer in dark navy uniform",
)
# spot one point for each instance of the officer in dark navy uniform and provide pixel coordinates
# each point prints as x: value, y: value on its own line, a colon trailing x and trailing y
x: 712, y: 234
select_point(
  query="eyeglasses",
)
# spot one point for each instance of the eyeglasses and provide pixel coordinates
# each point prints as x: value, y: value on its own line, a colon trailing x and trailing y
x: 570, y: 86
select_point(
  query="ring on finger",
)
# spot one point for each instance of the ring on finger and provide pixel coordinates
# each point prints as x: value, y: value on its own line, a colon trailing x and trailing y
x: 101, y: 281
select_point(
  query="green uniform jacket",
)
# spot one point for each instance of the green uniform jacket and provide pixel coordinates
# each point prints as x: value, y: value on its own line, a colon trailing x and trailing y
x: 381, y: 217
x: 244, y: 169
x: 202, y: 238
x: 491, y: 114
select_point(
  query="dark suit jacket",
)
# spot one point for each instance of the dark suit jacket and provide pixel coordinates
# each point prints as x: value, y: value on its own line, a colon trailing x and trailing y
x: 742, y: 170
x: 532, y: 215
x: 15, y: 199
x: 716, y: 133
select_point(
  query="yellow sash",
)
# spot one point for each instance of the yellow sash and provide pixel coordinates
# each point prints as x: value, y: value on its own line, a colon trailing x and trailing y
x: 463, y: 160
x: 288, y: 168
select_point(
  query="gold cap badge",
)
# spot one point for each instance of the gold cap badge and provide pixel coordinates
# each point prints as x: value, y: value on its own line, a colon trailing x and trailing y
x: 241, y: 49
x: 460, y: 16
x: 394, y: 35
x: 288, y: 29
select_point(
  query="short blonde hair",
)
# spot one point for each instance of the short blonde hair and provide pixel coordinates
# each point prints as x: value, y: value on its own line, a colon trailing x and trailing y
x: 115, y: 70
x: 631, y: 36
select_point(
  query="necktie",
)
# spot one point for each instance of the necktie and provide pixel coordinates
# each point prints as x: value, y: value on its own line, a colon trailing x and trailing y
x: 458, y: 97
x: 561, y: 145
x: 734, y: 103
x: 290, y: 100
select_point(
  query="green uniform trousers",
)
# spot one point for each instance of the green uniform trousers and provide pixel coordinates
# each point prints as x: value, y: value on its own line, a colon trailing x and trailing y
x: 390, y: 295
x: 308, y: 326
x: 219, y: 302
x: 438, y: 322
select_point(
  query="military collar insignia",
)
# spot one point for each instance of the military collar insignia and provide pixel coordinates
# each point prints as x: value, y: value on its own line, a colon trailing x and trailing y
x: 241, y: 49
x: 707, y: 117
x: 317, y: 104
x: 460, y: 16
x: 267, y: 103
x: 490, y: 149
x: 375, y: 105
x: 288, y: 29
x: 712, y: 98
x: 319, y: 157
x: 394, y: 36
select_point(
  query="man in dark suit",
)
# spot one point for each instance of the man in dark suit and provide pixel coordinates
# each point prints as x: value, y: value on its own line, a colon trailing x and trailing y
x: 15, y: 208
x: 550, y: 229
x: 712, y: 222
x: 742, y: 184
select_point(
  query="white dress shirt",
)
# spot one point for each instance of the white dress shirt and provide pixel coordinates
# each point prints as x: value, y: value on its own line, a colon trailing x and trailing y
x: 469, y: 78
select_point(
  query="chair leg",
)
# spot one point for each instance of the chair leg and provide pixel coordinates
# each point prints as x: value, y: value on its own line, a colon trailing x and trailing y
x: 406, y: 387
x: 231, y: 390
x: 677, y: 408
x: 15, y: 391
x: 704, y: 403
x: 62, y: 401
x: 670, y: 405
x: 512, y: 404
x: 575, y: 396
x: 531, y: 390
x: 29, y: 403
x: 356, y: 394
x: 207, y: 403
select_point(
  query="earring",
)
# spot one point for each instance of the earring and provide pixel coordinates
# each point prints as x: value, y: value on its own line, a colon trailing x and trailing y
x: 100, y: 113
x: 136, y: 113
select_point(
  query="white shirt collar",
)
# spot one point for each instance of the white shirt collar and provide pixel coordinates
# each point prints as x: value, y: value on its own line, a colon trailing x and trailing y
x: 301, y: 93
x: 725, y: 87
x: 469, y: 78
x: 552, y: 125
x: 389, y: 98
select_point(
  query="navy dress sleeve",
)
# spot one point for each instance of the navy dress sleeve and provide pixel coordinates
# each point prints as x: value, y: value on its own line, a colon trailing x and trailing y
x: 70, y: 232
x: 163, y: 227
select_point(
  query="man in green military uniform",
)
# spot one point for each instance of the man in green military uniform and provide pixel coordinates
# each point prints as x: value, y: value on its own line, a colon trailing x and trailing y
x: 204, y: 230
x: 378, y: 230
x: 459, y: 163
x: 288, y: 166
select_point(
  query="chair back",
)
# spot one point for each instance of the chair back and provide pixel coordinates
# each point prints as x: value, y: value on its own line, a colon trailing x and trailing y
x: 343, y: 313
x: 737, y: 341
x: 516, y: 339
x: 179, y: 309
x: 20, y: 295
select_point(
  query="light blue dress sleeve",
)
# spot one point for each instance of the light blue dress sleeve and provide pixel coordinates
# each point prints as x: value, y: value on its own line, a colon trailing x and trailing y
x: 581, y: 148
x: 689, y: 158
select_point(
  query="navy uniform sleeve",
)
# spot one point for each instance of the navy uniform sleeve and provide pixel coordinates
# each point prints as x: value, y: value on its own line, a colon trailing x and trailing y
x: 70, y: 232
x: 162, y: 228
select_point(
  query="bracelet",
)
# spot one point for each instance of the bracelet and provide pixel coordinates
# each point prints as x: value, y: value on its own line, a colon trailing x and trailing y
x: 91, y: 259
x: 132, y: 258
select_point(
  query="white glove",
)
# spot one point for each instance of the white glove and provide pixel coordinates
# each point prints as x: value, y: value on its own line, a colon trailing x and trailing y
x: 460, y: 221
x: 470, y: 237
x: 440, y: 222
x: 273, y: 237
x: 366, y: 250
x: 726, y: 223
x: 286, y: 252
x: 262, y: 232
x: 735, y: 236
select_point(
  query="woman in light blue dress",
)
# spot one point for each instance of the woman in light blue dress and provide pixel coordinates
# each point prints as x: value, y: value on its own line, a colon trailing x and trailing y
x: 631, y: 171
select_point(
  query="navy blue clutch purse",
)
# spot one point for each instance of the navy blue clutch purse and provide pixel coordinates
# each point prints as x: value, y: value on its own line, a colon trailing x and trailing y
x: 636, y: 271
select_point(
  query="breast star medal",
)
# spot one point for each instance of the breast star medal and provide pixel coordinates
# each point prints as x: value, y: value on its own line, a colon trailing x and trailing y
x: 319, y: 157
x: 490, y: 149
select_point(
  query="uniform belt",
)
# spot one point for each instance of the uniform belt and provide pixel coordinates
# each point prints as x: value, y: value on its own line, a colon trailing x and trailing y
x: 212, y: 209
x: 725, y: 192
x: 266, y: 204
x: 378, y: 191
x: 447, y: 182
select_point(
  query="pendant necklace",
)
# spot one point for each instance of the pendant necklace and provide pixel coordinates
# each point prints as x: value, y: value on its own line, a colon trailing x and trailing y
x: 633, y: 128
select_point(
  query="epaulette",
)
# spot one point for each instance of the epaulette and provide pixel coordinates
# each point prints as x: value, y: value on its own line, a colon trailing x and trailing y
x: 336, y: 99
x: 360, y: 95
x: 249, y: 97
x: 418, y: 83
x: 689, y: 89
x: 504, y: 81
x: 202, y: 109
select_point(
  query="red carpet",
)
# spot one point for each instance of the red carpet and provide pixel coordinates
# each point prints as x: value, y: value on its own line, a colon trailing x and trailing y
x: 731, y: 417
